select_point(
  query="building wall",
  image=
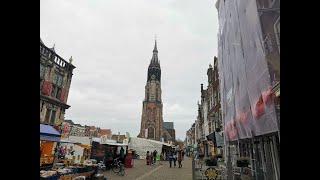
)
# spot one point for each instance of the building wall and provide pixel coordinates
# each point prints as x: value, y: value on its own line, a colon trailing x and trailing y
x: 269, y: 15
x: 217, y: 119
x: 52, y: 64
x: 152, y: 118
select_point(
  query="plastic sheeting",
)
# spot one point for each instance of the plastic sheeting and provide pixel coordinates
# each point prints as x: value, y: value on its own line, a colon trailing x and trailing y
x: 141, y: 146
x: 246, y: 99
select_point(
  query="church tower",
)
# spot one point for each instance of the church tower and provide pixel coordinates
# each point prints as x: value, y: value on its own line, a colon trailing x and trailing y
x: 151, y: 118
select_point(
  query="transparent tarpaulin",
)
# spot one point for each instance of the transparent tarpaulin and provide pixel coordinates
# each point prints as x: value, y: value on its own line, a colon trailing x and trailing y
x: 246, y: 96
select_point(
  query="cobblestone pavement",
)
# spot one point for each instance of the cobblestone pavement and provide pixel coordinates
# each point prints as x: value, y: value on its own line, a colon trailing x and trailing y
x: 141, y: 171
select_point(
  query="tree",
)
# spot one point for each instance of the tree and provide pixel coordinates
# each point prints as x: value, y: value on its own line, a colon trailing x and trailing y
x: 179, y: 143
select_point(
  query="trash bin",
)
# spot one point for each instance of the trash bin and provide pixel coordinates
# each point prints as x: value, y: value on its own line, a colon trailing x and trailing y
x: 128, y: 162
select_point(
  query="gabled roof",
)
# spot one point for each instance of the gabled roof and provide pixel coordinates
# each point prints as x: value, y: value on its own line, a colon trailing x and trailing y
x: 69, y: 121
x: 105, y: 131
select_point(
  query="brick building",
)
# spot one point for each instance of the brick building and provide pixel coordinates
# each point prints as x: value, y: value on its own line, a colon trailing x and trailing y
x: 151, y: 118
x: 169, y: 132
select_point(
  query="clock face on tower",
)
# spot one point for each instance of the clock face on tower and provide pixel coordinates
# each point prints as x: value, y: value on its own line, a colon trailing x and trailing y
x: 153, y: 76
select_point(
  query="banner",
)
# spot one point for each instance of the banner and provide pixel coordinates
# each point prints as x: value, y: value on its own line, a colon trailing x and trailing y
x: 219, y: 140
x: 146, y: 133
x: 125, y: 141
x: 127, y: 135
x: 104, y: 139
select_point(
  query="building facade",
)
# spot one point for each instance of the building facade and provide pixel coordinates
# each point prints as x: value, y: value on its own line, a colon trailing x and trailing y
x: 151, y: 118
x: 169, y: 133
x: 249, y: 72
x: 55, y: 80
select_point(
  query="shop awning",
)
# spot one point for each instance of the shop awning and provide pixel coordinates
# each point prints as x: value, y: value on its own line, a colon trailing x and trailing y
x: 50, y: 138
x: 68, y: 141
x: 115, y: 144
x: 47, y: 130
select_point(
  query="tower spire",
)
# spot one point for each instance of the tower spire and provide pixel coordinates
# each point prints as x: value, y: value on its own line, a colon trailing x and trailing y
x: 155, y: 60
x: 155, y: 45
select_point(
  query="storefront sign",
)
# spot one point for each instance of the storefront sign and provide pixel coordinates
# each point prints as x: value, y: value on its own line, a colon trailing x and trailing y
x: 103, y: 139
x: 125, y: 141
x: 219, y: 139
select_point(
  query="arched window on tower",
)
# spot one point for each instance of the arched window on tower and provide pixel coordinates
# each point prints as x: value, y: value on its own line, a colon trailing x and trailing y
x: 151, y: 132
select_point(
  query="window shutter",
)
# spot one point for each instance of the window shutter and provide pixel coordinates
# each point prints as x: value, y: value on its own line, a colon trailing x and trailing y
x: 62, y: 95
x: 46, y: 87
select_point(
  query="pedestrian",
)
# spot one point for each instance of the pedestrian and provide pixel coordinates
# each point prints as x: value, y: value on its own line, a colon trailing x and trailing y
x: 180, y: 159
x: 154, y: 156
x: 147, y: 157
x: 170, y: 156
x: 151, y: 157
x: 122, y: 155
x: 109, y: 158
x: 175, y: 158
x: 161, y: 158
x: 183, y: 154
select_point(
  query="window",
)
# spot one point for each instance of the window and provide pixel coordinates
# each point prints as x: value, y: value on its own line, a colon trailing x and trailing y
x: 50, y: 115
x: 270, y: 2
x: 57, y: 80
x: 277, y: 32
x: 56, y: 86
x: 42, y: 70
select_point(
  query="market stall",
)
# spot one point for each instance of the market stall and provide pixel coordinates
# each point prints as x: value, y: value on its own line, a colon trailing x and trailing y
x: 60, y: 172
x: 48, y: 140
x: 142, y: 145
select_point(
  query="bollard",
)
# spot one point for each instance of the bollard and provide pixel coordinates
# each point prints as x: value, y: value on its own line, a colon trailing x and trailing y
x: 193, y: 169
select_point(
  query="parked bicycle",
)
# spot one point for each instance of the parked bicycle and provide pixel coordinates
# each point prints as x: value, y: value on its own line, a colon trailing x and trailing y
x: 118, y: 167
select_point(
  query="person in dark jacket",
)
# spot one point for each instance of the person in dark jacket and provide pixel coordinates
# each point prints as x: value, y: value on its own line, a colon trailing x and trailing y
x: 170, y: 156
x: 154, y: 156
x: 108, y: 158
x: 122, y: 155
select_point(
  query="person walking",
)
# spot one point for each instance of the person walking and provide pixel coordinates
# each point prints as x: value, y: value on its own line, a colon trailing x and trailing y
x: 154, y: 156
x: 180, y: 159
x: 175, y: 159
x: 122, y: 155
x: 170, y: 156
x: 161, y: 158
x: 147, y: 158
x: 151, y: 158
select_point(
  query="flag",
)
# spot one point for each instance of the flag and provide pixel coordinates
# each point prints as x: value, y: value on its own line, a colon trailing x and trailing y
x: 127, y: 135
x: 146, y: 133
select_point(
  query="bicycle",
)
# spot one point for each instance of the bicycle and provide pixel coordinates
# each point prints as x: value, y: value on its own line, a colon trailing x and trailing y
x: 118, y: 167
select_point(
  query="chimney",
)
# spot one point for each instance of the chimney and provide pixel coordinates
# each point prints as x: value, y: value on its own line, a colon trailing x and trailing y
x: 201, y: 87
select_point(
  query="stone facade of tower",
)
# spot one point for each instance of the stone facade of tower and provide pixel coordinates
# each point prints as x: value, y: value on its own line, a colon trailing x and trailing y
x: 151, y: 118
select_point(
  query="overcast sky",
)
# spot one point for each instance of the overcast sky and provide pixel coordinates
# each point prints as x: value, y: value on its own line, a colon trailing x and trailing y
x: 111, y: 42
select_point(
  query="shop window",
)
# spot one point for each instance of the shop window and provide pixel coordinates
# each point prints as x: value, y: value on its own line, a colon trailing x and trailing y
x: 42, y: 71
